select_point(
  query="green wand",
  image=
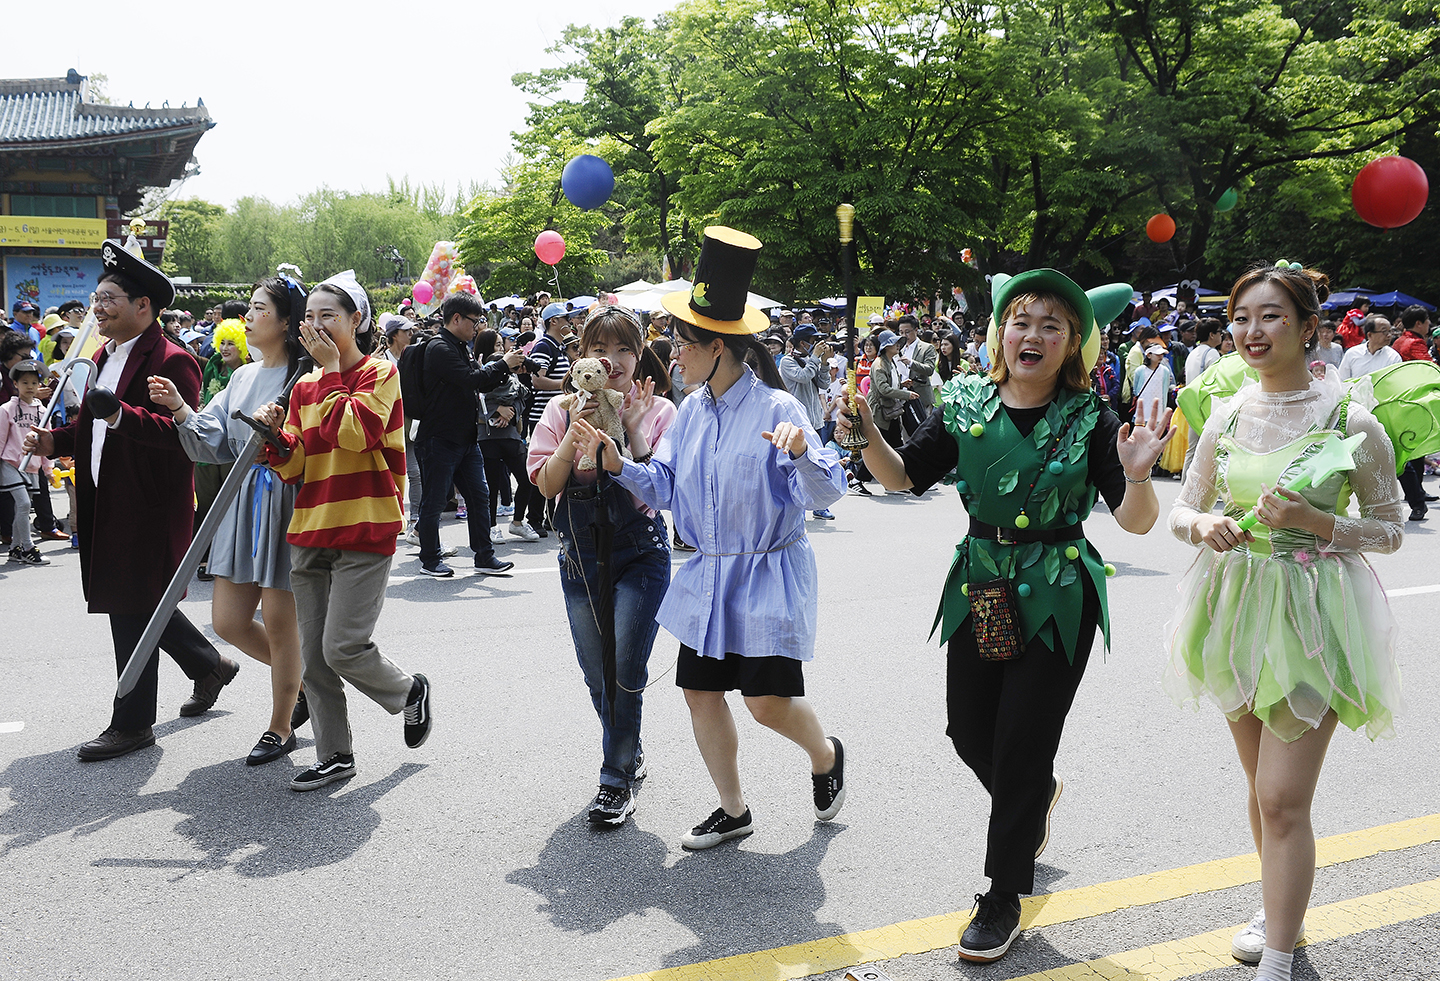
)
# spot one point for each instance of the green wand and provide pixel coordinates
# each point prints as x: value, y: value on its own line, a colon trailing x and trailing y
x: 1335, y: 455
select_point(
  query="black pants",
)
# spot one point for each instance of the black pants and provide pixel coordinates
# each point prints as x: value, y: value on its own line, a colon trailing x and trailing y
x: 187, y: 646
x: 505, y: 458
x: 1412, y: 484
x: 1005, y: 719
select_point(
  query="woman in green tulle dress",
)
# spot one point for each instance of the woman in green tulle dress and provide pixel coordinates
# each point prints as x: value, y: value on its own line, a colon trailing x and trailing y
x: 1285, y: 626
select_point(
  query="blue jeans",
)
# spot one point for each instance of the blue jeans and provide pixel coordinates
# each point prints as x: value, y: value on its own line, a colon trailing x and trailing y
x: 640, y: 574
x: 449, y: 463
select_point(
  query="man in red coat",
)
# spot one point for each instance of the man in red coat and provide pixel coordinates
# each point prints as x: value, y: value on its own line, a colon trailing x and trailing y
x: 135, y: 496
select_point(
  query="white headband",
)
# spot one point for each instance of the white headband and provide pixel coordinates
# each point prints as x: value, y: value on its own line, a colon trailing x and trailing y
x: 347, y: 282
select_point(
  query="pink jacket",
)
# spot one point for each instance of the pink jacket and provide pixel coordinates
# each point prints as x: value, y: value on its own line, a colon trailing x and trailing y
x: 16, y: 418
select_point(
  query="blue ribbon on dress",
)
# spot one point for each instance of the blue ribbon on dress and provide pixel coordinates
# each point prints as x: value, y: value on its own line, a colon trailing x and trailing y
x: 264, y: 480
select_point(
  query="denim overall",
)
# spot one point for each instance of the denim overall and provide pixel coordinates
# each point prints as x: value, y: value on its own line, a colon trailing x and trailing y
x: 640, y: 574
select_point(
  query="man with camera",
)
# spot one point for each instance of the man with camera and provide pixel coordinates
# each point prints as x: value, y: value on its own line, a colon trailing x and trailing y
x: 449, y: 433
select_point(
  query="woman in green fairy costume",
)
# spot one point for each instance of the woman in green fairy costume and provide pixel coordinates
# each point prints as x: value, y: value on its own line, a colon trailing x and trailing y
x: 1284, y: 626
x: 1029, y: 447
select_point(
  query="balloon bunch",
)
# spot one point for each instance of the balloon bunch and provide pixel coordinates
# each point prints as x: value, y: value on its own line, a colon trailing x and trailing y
x: 441, y: 271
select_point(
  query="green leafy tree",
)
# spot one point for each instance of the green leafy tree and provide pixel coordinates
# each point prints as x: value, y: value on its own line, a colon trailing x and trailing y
x: 193, y: 246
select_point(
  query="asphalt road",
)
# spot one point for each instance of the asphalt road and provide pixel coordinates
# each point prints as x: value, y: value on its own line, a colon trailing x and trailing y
x: 471, y: 858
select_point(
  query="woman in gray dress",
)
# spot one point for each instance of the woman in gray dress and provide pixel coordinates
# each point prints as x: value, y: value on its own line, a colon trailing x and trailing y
x: 249, y: 555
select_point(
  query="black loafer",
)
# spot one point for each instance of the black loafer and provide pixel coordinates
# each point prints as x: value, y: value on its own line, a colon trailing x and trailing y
x: 300, y: 714
x: 270, y: 748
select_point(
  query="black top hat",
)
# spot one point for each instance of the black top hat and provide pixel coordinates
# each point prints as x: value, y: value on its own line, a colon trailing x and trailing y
x: 150, y: 280
x: 716, y: 301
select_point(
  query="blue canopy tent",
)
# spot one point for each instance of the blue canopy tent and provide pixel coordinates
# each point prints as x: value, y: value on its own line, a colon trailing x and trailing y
x: 1345, y: 299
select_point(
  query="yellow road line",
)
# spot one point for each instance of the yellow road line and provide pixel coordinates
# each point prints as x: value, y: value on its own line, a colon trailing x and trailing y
x: 936, y: 932
x: 1194, y: 955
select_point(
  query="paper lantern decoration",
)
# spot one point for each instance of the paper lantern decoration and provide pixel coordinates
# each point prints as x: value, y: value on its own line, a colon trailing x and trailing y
x: 422, y: 292
x: 1390, y: 192
x: 1227, y: 201
x: 1160, y: 228
x: 587, y: 182
x: 549, y: 247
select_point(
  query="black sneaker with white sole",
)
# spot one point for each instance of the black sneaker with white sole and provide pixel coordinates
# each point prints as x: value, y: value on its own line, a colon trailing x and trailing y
x: 716, y: 828
x: 341, y: 766
x: 992, y: 930
x: 830, y: 787
x: 417, y: 713
x: 612, y: 805
x: 642, y: 769
x: 493, y: 567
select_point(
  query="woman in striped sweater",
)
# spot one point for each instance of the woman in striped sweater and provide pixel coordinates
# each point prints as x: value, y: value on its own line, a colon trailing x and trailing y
x: 345, y: 446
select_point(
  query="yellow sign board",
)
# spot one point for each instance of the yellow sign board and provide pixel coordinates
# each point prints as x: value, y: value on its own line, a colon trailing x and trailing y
x: 23, y: 231
x: 865, y: 306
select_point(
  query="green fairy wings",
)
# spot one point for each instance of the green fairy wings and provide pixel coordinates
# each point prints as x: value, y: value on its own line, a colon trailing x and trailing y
x: 1407, y: 396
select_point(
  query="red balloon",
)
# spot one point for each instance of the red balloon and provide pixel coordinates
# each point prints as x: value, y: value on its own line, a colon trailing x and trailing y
x: 1160, y: 228
x: 1390, y: 192
x: 549, y: 247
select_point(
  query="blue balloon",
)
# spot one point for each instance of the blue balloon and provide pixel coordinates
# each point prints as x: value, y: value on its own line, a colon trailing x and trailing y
x: 587, y: 181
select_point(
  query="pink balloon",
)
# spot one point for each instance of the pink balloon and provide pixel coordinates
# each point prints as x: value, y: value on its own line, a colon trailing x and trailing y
x: 549, y: 247
x: 423, y: 292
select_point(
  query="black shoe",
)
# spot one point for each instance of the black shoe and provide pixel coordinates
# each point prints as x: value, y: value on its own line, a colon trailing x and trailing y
x: 203, y: 574
x: 207, y: 689
x: 300, y: 714
x: 494, y: 567
x: 992, y: 930
x: 830, y: 787
x: 270, y: 748
x: 1056, y: 785
x: 28, y: 556
x: 341, y: 766
x: 115, y: 742
x: 862, y: 490
x: 439, y: 570
x: 417, y: 713
x: 680, y: 545
x: 1417, y: 515
x: 612, y: 805
x: 642, y: 770
x: 716, y: 828
x: 1431, y: 498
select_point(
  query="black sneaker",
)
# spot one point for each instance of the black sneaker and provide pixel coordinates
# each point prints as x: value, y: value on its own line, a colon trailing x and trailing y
x: 1056, y: 785
x: 439, y: 570
x: 612, y: 805
x: 642, y: 770
x: 830, y: 787
x: 341, y: 766
x: 28, y: 556
x: 992, y: 930
x: 300, y: 714
x: 680, y: 545
x: 862, y: 490
x: 417, y: 713
x: 716, y: 828
x: 1415, y: 515
x: 494, y: 567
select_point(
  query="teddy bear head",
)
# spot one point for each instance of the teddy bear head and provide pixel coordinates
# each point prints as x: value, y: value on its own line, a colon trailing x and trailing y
x: 590, y: 374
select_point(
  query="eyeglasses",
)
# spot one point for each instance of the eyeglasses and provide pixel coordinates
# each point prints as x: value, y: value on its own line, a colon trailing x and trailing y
x: 684, y: 345
x: 110, y: 299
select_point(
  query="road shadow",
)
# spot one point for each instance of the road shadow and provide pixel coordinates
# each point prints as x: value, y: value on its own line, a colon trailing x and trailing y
x: 733, y: 900
x: 1126, y: 569
x: 242, y: 818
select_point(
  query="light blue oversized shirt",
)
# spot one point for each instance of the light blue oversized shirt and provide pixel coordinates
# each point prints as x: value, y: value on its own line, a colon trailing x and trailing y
x: 751, y: 588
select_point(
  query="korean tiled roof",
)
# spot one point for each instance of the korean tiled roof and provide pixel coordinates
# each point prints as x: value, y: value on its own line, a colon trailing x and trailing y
x: 44, y: 110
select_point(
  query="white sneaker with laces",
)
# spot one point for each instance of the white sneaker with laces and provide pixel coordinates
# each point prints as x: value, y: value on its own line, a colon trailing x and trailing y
x: 523, y: 532
x: 497, y: 535
x: 1249, y: 944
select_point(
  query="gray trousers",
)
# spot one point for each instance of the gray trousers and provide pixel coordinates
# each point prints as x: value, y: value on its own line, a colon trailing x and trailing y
x: 16, y: 487
x: 338, y: 595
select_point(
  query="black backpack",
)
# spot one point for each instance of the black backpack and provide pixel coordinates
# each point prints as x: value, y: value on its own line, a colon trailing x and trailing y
x: 412, y: 377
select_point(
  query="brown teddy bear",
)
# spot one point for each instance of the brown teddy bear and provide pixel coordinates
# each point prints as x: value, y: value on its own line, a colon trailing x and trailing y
x: 589, y: 376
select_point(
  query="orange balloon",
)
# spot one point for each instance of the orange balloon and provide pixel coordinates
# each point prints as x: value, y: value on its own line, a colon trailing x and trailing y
x: 1160, y: 228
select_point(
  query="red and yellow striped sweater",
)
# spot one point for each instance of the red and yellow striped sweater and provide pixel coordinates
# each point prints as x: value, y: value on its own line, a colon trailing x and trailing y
x: 346, y: 434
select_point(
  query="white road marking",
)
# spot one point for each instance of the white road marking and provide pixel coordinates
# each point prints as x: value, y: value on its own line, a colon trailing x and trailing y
x: 11, y: 726
x: 1412, y: 591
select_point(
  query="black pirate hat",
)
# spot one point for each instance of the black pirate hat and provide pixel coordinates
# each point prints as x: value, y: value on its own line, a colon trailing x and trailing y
x: 716, y: 301
x: 149, y: 280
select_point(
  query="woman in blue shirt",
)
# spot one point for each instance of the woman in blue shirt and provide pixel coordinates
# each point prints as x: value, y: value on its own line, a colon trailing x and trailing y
x: 739, y: 468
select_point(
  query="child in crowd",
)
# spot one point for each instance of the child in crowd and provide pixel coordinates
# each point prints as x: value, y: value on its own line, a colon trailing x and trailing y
x: 16, y: 417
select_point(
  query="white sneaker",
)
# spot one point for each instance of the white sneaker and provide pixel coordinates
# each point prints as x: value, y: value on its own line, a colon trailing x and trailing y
x: 523, y: 532
x: 449, y: 551
x: 1249, y: 944
x: 412, y: 537
x: 497, y: 535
